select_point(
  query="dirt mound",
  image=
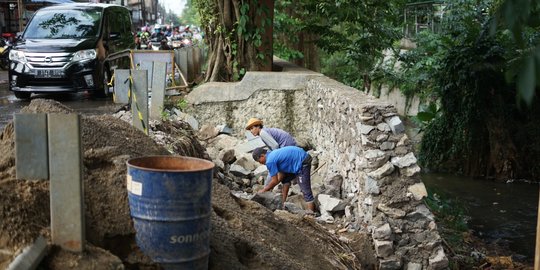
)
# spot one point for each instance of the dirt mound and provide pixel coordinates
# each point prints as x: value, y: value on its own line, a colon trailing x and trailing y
x: 245, y: 235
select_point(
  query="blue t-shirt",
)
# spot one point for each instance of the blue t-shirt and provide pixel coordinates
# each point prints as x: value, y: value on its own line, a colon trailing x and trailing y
x: 285, y: 160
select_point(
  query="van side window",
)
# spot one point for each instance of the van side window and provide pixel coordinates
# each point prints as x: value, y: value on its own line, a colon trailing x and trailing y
x: 115, y: 24
x: 127, y: 22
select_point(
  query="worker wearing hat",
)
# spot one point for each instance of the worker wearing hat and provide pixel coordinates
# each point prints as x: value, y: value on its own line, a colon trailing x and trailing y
x: 274, y: 138
x: 284, y: 165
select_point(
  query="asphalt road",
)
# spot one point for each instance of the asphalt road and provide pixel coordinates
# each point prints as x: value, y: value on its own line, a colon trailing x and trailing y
x: 80, y: 102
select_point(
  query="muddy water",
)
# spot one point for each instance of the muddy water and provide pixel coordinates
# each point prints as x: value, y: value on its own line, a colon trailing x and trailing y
x: 501, y: 212
x: 80, y: 102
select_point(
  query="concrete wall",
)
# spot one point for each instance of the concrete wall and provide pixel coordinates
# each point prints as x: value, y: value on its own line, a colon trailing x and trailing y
x: 357, y: 136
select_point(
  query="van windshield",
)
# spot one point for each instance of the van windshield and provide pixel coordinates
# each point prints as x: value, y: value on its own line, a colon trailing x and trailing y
x: 63, y: 24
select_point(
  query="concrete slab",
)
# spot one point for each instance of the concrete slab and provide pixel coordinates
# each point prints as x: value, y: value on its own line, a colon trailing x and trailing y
x: 250, y: 145
x: 159, y: 77
x: 139, y: 100
x: 149, y: 67
x: 31, y: 153
x: 66, y: 186
x: 121, y: 86
x: 182, y: 61
x: 190, y: 65
x: 31, y: 256
x: 197, y: 61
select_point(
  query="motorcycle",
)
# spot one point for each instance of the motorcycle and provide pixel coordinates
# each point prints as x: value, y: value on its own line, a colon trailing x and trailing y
x: 5, y: 48
x: 143, y: 43
x: 158, y: 44
x: 178, y: 42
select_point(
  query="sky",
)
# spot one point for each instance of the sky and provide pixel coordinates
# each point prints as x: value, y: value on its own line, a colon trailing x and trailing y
x: 175, y: 5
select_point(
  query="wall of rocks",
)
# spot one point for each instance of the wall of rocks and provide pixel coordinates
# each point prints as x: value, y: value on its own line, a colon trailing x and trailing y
x: 359, y: 140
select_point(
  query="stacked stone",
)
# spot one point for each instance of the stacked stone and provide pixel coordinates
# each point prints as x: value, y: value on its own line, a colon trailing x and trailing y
x: 403, y: 229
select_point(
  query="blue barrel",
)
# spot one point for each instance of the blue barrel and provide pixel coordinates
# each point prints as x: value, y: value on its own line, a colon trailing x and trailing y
x: 169, y: 199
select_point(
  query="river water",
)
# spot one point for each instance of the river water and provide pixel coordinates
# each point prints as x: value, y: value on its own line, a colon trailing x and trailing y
x: 501, y: 212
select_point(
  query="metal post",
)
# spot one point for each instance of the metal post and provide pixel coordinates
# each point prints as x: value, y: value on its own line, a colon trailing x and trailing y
x: 537, y: 250
x: 66, y: 181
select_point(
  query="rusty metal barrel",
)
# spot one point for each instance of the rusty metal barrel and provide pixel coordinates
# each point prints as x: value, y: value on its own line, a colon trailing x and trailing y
x: 169, y: 199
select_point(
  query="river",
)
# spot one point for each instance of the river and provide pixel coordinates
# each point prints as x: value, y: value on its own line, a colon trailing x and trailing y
x: 501, y: 212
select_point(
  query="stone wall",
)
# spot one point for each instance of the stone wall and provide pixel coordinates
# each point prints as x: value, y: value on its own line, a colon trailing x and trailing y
x: 357, y: 137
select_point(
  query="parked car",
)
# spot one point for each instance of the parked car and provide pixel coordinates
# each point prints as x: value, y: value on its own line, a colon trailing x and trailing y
x: 71, y: 48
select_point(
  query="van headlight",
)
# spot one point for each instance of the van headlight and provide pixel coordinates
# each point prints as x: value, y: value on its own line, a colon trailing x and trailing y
x: 84, y: 55
x: 17, y: 56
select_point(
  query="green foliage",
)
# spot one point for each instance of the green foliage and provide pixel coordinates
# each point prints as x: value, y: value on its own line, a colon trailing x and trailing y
x: 415, y: 74
x: 341, y: 68
x: 206, y: 10
x: 181, y: 104
x: 252, y: 25
x: 287, y: 29
x: 468, y: 84
x: 520, y: 17
x: 356, y: 30
x: 190, y: 14
x: 361, y: 33
x: 426, y: 115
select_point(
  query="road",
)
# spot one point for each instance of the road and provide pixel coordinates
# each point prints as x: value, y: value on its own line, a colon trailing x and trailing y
x: 80, y: 102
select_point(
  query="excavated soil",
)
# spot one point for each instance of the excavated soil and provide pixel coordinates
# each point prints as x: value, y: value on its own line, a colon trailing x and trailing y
x: 244, y: 234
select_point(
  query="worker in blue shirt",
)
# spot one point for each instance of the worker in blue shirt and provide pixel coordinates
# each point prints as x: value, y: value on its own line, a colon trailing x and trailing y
x: 284, y: 165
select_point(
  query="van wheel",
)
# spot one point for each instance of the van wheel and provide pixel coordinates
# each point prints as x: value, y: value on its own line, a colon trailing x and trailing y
x: 22, y: 95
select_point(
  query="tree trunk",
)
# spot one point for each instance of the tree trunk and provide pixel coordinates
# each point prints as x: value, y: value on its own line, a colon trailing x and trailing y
x: 503, y: 159
x: 231, y: 51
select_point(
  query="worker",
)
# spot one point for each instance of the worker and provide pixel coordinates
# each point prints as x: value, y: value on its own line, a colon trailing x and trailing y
x: 274, y: 138
x: 284, y: 165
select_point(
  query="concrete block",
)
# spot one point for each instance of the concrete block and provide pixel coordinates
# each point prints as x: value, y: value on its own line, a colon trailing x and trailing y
x: 31, y: 156
x: 66, y: 185
x: 159, y: 76
x: 197, y: 60
x: 250, y: 145
x: 147, y: 65
x: 31, y: 256
x: 181, y: 59
x: 121, y: 86
x: 191, y: 65
x: 139, y: 100
x: 395, y: 124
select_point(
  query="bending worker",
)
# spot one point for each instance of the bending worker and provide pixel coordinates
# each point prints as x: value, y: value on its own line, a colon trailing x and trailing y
x: 274, y: 138
x: 284, y: 165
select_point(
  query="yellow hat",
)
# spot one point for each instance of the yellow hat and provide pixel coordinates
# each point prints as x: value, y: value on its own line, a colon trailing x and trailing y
x: 253, y: 122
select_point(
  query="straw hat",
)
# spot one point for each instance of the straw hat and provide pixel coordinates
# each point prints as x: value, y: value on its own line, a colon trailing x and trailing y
x: 253, y: 122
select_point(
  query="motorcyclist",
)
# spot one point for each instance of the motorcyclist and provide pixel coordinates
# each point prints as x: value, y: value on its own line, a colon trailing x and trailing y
x: 158, y: 34
x: 168, y: 31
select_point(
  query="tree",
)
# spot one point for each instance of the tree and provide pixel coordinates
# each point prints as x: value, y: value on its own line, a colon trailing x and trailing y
x: 238, y: 33
x: 480, y: 129
x: 357, y: 31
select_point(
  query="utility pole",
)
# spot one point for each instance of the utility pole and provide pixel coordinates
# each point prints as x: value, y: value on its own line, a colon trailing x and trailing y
x: 20, y: 11
x: 143, y: 15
